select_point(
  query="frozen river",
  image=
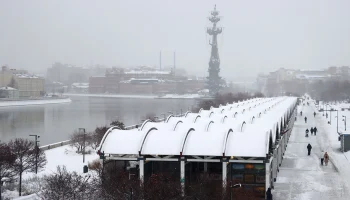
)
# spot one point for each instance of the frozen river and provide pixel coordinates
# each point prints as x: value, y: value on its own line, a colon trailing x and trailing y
x: 56, y: 122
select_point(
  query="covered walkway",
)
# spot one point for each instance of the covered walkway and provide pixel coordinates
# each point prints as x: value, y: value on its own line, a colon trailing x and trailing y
x: 252, y: 134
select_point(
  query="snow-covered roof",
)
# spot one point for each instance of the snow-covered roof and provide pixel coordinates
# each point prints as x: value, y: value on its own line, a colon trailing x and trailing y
x: 25, y: 76
x: 7, y: 88
x: 81, y: 85
x: 147, y: 72
x: 214, y: 132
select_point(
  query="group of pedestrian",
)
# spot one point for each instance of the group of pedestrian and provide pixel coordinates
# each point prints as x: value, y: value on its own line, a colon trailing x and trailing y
x: 313, y: 131
x: 324, y: 158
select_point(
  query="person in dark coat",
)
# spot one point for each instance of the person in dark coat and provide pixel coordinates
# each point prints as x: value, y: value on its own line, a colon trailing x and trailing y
x: 268, y: 194
x: 315, y: 130
x: 307, y: 133
x: 309, y: 147
x: 305, y: 119
x: 312, y: 130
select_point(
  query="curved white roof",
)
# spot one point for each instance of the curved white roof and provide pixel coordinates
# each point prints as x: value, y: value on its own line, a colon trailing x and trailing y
x: 124, y: 141
x: 207, y: 133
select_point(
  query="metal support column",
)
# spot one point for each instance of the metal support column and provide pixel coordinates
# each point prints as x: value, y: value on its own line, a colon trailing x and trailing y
x: 141, y: 169
x: 224, y: 174
x: 182, y: 175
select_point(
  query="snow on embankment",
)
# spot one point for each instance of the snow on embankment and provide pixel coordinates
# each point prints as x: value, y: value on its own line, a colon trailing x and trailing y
x: 184, y: 96
x: 127, y: 96
x: 132, y: 96
x: 34, y: 102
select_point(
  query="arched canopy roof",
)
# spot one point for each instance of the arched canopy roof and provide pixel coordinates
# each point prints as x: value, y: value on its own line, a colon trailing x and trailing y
x: 171, y: 142
x: 206, y: 143
x: 125, y: 141
x: 198, y: 135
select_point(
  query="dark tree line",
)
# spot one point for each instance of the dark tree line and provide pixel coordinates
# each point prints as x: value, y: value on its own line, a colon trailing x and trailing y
x: 223, y: 99
x: 19, y: 156
x: 116, y: 184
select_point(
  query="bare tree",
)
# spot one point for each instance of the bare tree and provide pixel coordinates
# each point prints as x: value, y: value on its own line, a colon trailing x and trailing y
x: 78, y: 140
x: 7, y: 159
x: 151, y: 116
x: 66, y: 185
x: 95, y: 166
x: 27, y: 158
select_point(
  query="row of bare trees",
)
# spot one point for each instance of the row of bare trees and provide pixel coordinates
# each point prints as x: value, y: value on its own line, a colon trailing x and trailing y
x: 19, y: 156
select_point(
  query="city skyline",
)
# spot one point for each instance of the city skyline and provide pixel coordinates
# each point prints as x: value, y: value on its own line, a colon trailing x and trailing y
x: 259, y: 38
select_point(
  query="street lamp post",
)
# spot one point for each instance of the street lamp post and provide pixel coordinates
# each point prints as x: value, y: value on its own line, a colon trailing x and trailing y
x: 83, y: 130
x: 36, y: 152
x: 323, y: 109
x: 232, y: 187
x: 344, y: 121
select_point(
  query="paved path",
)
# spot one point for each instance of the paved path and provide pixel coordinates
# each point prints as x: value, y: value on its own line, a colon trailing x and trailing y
x: 301, y: 177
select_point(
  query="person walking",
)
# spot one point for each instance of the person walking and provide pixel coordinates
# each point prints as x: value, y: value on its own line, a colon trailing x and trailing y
x: 326, y: 158
x: 307, y: 133
x: 301, y: 113
x: 309, y: 147
x: 315, y: 130
x: 322, y: 157
x: 312, y: 130
x: 305, y: 119
x: 268, y: 194
x: 314, y: 114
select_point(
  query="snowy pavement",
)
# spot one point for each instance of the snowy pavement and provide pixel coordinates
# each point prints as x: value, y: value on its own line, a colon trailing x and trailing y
x: 301, y: 177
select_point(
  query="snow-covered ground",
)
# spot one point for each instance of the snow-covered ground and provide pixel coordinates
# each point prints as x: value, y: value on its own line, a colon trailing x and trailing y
x: 66, y: 156
x: 59, y: 156
x: 301, y: 177
x: 33, y: 102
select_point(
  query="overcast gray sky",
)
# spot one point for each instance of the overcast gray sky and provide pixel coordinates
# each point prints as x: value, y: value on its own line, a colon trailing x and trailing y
x: 258, y: 36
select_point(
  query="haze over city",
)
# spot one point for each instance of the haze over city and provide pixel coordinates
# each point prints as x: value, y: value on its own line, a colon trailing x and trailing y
x: 258, y: 36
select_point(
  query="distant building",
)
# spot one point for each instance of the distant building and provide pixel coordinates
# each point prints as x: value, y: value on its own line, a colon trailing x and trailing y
x: 295, y: 81
x: 79, y: 88
x: 26, y: 84
x: 67, y: 74
x: 9, y: 93
x: 143, y: 80
x: 29, y: 85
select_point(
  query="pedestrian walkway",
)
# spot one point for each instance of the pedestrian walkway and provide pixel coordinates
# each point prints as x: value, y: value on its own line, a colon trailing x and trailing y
x: 302, y: 177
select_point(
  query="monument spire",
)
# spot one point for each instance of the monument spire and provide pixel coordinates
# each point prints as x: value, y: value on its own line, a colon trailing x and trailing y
x: 214, y: 80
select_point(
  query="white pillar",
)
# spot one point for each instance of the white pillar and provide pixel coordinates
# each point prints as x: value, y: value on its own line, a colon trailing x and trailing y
x: 141, y: 169
x: 224, y: 173
x: 182, y: 175
x: 205, y: 166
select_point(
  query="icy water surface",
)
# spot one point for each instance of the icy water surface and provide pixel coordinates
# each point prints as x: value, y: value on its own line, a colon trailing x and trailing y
x: 54, y: 123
